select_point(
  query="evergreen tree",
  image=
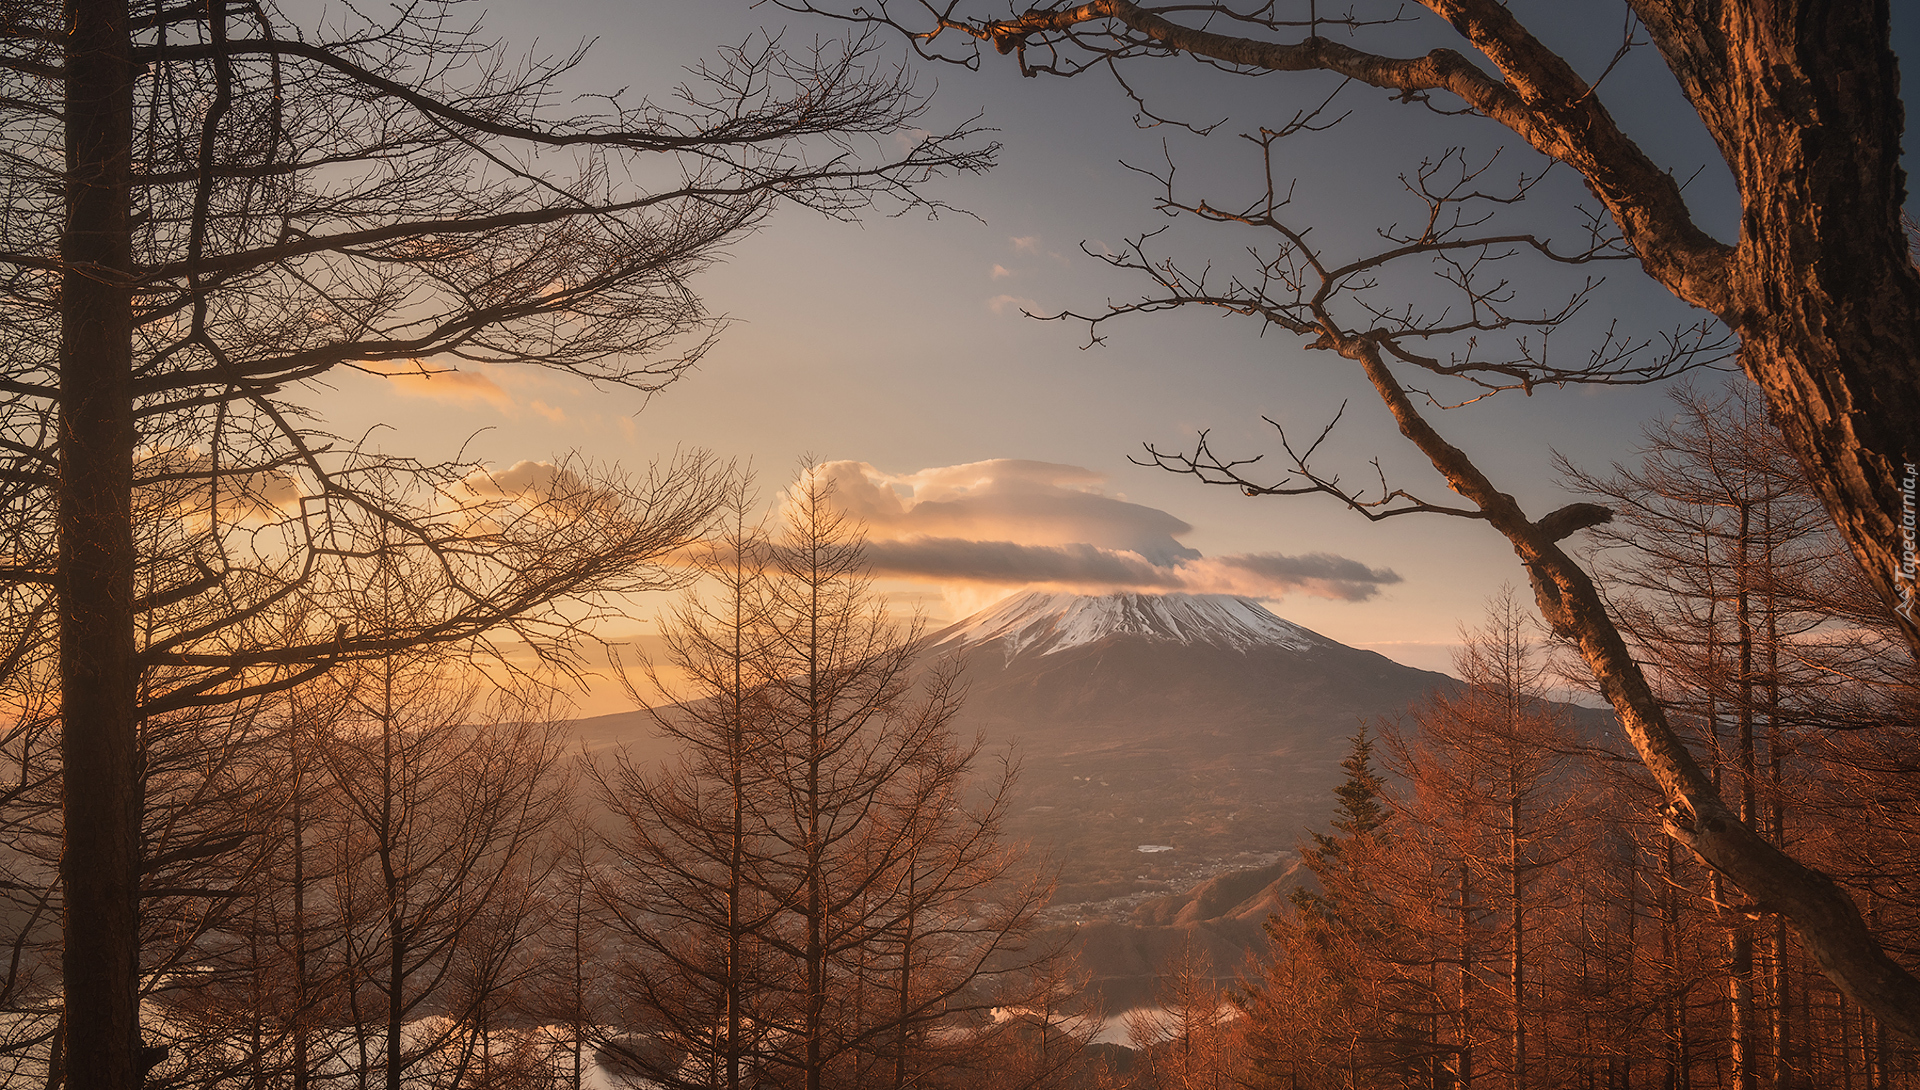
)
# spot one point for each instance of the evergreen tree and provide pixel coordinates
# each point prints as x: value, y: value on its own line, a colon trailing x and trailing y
x: 1359, y: 796
x: 1359, y: 813
x: 1319, y: 1013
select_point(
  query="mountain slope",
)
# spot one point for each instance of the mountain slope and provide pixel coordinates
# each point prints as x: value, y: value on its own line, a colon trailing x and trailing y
x: 1199, y: 725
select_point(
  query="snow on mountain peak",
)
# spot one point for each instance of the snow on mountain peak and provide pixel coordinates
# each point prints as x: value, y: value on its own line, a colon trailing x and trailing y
x: 1037, y: 621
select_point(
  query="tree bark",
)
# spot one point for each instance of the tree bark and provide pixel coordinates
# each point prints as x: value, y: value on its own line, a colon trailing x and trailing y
x: 1804, y: 101
x: 100, y: 856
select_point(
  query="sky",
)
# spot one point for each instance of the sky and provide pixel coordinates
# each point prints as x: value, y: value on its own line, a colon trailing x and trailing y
x: 987, y: 451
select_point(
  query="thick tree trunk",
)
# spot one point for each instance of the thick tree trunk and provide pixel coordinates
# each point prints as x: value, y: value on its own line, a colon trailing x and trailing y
x: 1804, y: 101
x: 100, y: 858
x: 1847, y: 403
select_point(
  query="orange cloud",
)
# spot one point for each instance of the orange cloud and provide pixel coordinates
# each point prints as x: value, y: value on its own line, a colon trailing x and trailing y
x: 417, y: 379
x: 185, y: 481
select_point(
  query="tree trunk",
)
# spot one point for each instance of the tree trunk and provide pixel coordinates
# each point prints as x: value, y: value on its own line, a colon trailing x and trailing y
x: 1844, y: 1018
x: 99, y: 863
x: 1777, y: 828
x: 388, y: 847
x: 303, y: 997
x: 738, y: 926
x: 396, y: 999
x: 816, y: 949
x: 1518, y: 951
x: 1824, y: 295
x: 579, y: 989
x: 1466, y: 978
x: 1629, y: 1030
x: 904, y: 1008
x: 1740, y: 1029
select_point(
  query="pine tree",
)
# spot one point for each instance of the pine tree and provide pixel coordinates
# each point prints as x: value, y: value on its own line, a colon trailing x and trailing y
x: 1360, y: 809
x: 1359, y: 814
x: 1321, y: 1013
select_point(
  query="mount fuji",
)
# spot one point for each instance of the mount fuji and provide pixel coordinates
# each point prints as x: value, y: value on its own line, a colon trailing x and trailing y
x: 1164, y: 738
x: 1173, y: 751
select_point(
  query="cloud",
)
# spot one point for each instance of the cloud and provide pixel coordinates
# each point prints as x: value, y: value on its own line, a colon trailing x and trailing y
x: 1321, y: 575
x: 1087, y: 567
x: 416, y: 379
x: 520, y: 479
x: 1029, y: 244
x: 1012, y: 523
x: 1000, y: 272
x: 184, y: 481
x: 1000, y: 304
x: 1012, y: 564
x: 1011, y: 499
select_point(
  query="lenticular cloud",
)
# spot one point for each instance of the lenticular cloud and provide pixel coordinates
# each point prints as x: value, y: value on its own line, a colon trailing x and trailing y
x: 1009, y: 522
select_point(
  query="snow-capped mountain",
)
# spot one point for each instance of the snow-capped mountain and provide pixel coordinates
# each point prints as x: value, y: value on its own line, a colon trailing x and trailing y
x: 1203, y: 722
x: 1044, y: 624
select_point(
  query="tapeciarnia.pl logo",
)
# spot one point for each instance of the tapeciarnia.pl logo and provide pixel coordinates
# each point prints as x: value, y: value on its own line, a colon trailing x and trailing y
x: 1906, y: 576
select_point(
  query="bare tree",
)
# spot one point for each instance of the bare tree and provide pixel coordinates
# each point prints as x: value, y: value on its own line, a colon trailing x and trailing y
x: 1803, y: 106
x: 692, y: 839
x: 208, y: 206
x: 817, y: 893
x: 1186, y: 1040
x: 439, y: 844
x: 1728, y: 551
x: 892, y: 890
x: 1492, y: 769
x: 1735, y: 591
